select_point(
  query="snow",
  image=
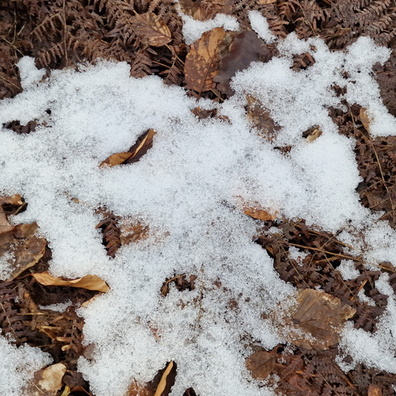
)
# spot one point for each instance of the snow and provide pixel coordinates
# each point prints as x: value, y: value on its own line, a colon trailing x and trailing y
x: 261, y: 27
x: 18, y: 365
x: 188, y: 190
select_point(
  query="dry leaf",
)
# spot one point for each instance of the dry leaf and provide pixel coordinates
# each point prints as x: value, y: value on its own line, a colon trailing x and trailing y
x: 5, y: 226
x: 116, y: 159
x: 365, y: 119
x: 48, y: 381
x: 259, y: 214
x: 152, y: 29
x: 314, y: 320
x: 205, y: 9
x: 374, y: 390
x: 167, y: 380
x: 202, y: 62
x: 89, y: 282
x: 143, y: 144
x: 261, y: 364
x: 266, y: 1
x: 312, y: 134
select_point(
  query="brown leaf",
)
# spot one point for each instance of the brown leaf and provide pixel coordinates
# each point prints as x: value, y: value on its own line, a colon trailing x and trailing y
x: 261, y: 364
x: 143, y: 144
x: 246, y: 48
x: 89, y: 282
x: 266, y: 1
x: 312, y: 134
x: 314, y: 320
x: 152, y: 29
x: 21, y: 248
x: 205, y: 9
x: 374, y: 390
x: 5, y: 226
x: 259, y: 214
x: 202, y: 62
x: 116, y: 159
x: 167, y: 380
x: 48, y: 381
x: 365, y: 119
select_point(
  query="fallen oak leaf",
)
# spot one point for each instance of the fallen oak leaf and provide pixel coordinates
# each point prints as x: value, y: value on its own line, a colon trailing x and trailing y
x: 89, y: 282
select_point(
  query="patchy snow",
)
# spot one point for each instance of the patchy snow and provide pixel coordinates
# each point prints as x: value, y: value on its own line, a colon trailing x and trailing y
x: 18, y: 365
x: 260, y: 25
x: 187, y: 189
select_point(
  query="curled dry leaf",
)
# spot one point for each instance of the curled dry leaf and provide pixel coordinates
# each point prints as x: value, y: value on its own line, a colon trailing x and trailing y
x: 5, y: 226
x: 167, y: 380
x: 313, y: 320
x: 205, y: 9
x: 152, y: 29
x: 140, y: 148
x: 48, y: 381
x: 202, y: 62
x: 256, y: 211
x: 312, y: 134
x: 89, y: 282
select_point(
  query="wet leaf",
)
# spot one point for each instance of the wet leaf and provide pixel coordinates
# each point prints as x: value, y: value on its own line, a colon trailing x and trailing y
x: 314, y: 320
x: 205, y: 9
x: 21, y: 249
x: 261, y: 364
x: 48, y: 381
x: 202, y: 62
x: 152, y: 29
x: 246, y: 48
x: 89, y: 282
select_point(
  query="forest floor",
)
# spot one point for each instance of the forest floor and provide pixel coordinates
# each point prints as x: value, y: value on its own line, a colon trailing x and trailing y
x: 148, y: 35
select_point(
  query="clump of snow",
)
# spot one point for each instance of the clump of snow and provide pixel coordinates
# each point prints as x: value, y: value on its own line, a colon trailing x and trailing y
x: 348, y: 270
x: 193, y: 29
x: 59, y: 307
x: 18, y: 365
x: 374, y: 350
x: 6, y: 260
x: 260, y: 25
x: 187, y: 189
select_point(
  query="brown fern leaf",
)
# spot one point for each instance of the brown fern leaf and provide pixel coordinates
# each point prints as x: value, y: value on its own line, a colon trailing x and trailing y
x: 11, y: 321
x: 111, y: 233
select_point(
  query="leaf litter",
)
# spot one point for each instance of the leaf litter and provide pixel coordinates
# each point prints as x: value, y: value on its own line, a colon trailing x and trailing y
x: 301, y: 368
